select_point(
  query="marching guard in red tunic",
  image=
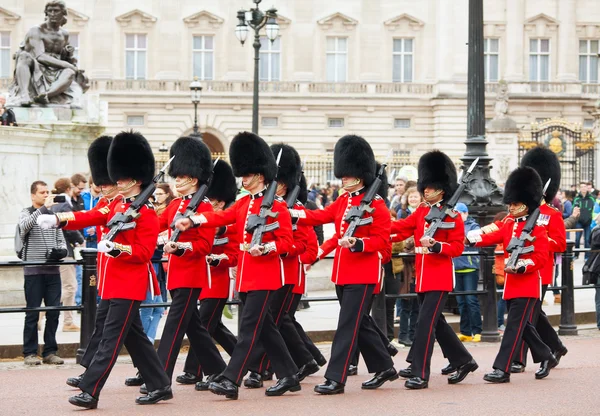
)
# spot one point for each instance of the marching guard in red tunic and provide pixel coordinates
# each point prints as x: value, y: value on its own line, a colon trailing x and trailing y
x: 356, y: 268
x: 290, y: 169
x: 435, y: 273
x: 127, y: 273
x: 259, y: 271
x: 546, y: 164
x: 522, y: 283
x: 224, y: 256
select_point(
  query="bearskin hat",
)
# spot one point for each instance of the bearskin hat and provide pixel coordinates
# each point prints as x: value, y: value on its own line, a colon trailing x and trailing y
x: 98, y: 160
x: 384, y: 186
x: 192, y: 158
x: 437, y: 171
x: 250, y: 154
x: 303, y: 194
x: 222, y: 186
x: 546, y: 164
x: 523, y: 185
x: 289, y: 165
x: 353, y: 157
x: 130, y: 156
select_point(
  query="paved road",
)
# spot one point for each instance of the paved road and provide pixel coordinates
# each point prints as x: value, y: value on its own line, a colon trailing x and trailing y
x: 570, y: 389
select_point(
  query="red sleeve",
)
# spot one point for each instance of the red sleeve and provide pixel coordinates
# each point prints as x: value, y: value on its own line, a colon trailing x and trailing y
x: 164, y: 219
x: 146, y: 233
x: 404, y: 228
x: 455, y: 244
x: 557, y: 233
x: 328, y: 246
x: 312, y: 248
x: 90, y: 218
x: 539, y: 256
x: 231, y: 249
x: 492, y: 239
x: 218, y: 219
x: 202, y: 244
x: 320, y: 216
x: 379, y: 230
x: 300, y: 237
x: 283, y: 235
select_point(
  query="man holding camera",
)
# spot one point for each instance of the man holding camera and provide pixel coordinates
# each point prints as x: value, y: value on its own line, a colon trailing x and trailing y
x: 41, y: 282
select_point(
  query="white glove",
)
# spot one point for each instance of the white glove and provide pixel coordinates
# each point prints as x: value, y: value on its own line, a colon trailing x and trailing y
x: 474, y: 236
x: 46, y: 221
x: 106, y: 246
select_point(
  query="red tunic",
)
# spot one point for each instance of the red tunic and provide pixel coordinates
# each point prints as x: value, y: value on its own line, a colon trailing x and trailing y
x: 355, y: 267
x: 435, y: 271
x: 128, y: 275
x: 101, y: 258
x: 291, y: 262
x: 528, y: 284
x: 190, y: 269
x: 261, y: 272
x: 220, y: 273
x: 308, y: 257
x: 551, y: 219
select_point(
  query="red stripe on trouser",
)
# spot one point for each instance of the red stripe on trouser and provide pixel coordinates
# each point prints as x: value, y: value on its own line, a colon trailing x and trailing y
x: 187, y: 303
x: 114, y: 356
x: 253, y: 337
x: 429, y: 335
x: 507, y: 369
x: 522, y: 350
x: 358, y: 319
x: 208, y: 329
x: 281, y: 311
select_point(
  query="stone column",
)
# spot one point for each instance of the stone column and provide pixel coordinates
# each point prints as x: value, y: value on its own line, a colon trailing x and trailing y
x: 567, y: 42
x: 514, y: 48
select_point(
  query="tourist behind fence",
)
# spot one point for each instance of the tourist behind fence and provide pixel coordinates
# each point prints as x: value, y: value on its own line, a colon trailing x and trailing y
x: 466, y: 274
x: 586, y: 202
x: 7, y: 116
x: 41, y: 282
x: 68, y: 276
x: 399, y: 189
x: 90, y: 199
x: 163, y: 197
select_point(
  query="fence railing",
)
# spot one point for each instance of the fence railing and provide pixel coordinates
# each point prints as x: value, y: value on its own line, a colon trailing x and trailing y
x: 488, y: 294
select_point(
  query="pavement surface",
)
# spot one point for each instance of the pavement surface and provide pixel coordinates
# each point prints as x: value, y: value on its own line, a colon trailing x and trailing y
x: 569, y: 390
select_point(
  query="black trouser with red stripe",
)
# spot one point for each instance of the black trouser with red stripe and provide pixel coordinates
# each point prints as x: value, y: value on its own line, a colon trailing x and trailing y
x: 257, y: 322
x: 543, y: 327
x: 384, y: 339
x: 518, y: 328
x: 123, y: 326
x: 353, y: 331
x: 308, y: 343
x: 280, y: 307
x: 184, y: 318
x: 211, y: 310
x: 432, y: 325
x: 94, y: 341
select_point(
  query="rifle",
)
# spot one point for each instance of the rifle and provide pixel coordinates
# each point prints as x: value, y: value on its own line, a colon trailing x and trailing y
x: 292, y: 196
x: 257, y: 224
x: 123, y: 221
x: 436, y: 216
x: 516, y: 246
x: 192, y: 206
x: 355, y: 215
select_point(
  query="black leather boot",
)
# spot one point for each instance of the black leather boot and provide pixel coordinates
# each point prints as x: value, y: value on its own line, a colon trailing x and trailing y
x: 416, y: 383
x: 284, y: 385
x: 253, y: 381
x: 329, y: 387
x: 379, y: 378
x: 74, y: 381
x: 134, y: 381
x: 85, y: 400
x: 188, y: 378
x: 545, y: 368
x: 156, y: 396
x: 462, y: 372
x: 497, y: 376
x: 307, y: 369
x: 224, y: 387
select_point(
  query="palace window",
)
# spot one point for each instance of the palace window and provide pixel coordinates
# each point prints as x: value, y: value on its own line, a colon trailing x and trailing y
x: 270, y: 59
x: 4, y: 54
x: 490, y: 51
x: 203, y: 57
x: 588, y: 61
x: 337, y: 59
x: 539, y: 60
x: 402, y: 70
x: 135, y: 56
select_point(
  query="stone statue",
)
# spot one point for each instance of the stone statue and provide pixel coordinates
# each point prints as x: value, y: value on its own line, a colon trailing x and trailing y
x: 501, y: 106
x: 46, y: 71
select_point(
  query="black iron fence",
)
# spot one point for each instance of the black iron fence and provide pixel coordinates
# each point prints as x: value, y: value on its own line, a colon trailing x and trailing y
x: 489, y: 295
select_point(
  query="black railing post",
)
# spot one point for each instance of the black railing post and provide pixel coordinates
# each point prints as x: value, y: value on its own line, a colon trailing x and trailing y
x: 490, y: 304
x: 89, y: 293
x: 378, y: 311
x: 567, y: 307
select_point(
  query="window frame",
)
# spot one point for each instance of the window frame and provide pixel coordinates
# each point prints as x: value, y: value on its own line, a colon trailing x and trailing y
x: 336, y: 53
x: 588, y: 54
x: 136, y: 50
x: 268, y: 53
x: 487, y: 54
x: 6, y: 48
x: 202, y: 52
x: 402, y: 55
x: 539, y: 53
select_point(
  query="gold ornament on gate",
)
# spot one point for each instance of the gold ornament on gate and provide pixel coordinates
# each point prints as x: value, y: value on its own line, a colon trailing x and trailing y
x: 93, y: 280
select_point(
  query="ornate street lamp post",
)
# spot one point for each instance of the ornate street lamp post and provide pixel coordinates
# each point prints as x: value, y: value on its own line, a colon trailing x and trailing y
x: 196, y: 92
x: 256, y: 19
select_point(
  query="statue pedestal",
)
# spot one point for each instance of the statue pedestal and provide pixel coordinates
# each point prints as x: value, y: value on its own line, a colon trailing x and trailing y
x: 50, y: 142
x: 503, y: 135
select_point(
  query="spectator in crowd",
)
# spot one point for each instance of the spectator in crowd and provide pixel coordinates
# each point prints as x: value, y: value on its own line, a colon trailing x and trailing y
x: 62, y: 187
x: 163, y: 195
x: 567, y: 203
x: 79, y: 185
x: 585, y: 201
x: 393, y: 279
x: 41, y: 282
x: 399, y: 188
x: 407, y: 309
x: 7, y: 116
x: 90, y: 199
x: 499, y: 272
x: 466, y: 275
